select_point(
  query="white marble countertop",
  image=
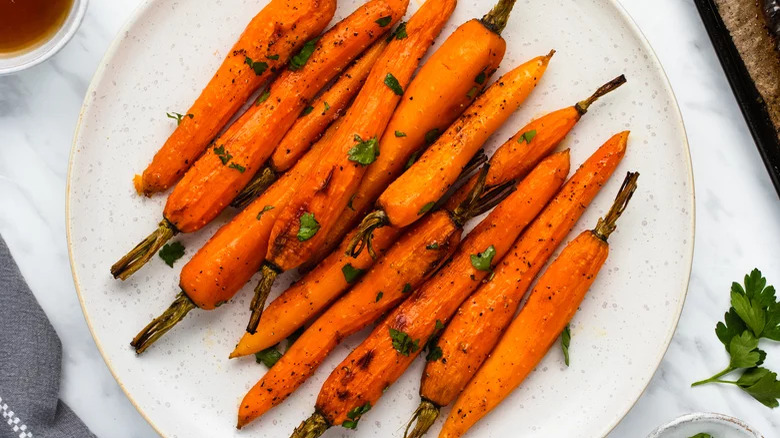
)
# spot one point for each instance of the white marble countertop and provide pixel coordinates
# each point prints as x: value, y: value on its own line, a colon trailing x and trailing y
x: 738, y: 220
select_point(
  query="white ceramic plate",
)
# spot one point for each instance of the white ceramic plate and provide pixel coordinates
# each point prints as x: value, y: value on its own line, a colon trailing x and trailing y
x: 186, y: 387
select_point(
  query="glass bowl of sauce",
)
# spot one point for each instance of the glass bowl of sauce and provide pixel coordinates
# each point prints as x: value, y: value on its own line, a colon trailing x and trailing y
x: 31, y: 31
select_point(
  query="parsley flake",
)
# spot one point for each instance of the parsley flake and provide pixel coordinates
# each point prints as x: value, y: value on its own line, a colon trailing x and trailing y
x: 384, y: 21
x: 473, y: 92
x: 258, y: 66
x: 482, y: 261
x: 402, y: 343
x: 434, y: 351
x: 351, y: 273
x: 268, y: 357
x: 433, y: 246
x: 178, y: 117
x: 238, y: 167
x: 365, y: 151
x: 407, y: 288
x: 354, y: 416
x: 379, y: 296
x: 223, y: 154
x: 309, y: 227
x: 400, y: 31
x: 426, y: 208
x: 306, y: 111
x: 432, y: 135
x: 266, y: 208
x: 400, y: 134
x: 527, y: 136
x: 298, y: 61
x: 263, y: 97
x: 481, y: 77
x: 273, y: 57
x: 565, y: 341
x: 393, y: 84
x: 171, y: 252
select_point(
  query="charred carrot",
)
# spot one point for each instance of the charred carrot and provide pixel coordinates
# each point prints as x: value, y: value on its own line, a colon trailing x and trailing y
x: 219, y: 175
x: 415, y: 192
x: 303, y: 224
x: 313, y: 122
x: 551, y: 305
x: 265, y: 46
x: 405, y: 266
x: 480, y: 320
x: 360, y: 379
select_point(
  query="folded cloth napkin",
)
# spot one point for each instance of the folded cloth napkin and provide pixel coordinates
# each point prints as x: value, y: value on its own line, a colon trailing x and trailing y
x: 30, y: 361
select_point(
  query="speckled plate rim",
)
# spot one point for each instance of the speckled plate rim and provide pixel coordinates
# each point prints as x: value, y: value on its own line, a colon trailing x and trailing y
x: 632, y: 27
x: 701, y: 417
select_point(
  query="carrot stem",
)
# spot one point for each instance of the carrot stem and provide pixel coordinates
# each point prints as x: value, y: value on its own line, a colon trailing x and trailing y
x: 582, y: 106
x: 144, y: 251
x: 606, y: 225
x: 478, y: 200
x: 312, y: 427
x: 180, y: 307
x: 362, y: 238
x: 497, y: 18
x: 423, y: 418
x: 715, y: 378
x: 261, y: 294
x: 261, y: 181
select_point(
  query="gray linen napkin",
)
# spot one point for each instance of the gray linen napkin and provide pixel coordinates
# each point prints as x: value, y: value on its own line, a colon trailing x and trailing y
x: 30, y: 361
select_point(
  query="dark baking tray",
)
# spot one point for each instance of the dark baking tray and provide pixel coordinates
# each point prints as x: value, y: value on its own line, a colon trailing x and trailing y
x: 750, y: 101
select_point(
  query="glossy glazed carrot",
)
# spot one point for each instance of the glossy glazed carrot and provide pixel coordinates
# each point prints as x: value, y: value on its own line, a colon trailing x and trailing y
x: 361, y: 378
x: 308, y: 129
x: 551, y: 305
x: 265, y: 46
x: 480, y: 320
x: 406, y: 265
x: 302, y: 226
x: 220, y: 174
x: 415, y: 192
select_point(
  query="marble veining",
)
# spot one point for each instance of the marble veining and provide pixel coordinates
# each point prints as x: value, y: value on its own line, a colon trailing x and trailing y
x: 737, y: 220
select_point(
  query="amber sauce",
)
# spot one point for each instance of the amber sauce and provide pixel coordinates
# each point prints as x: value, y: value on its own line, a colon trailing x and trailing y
x: 26, y: 24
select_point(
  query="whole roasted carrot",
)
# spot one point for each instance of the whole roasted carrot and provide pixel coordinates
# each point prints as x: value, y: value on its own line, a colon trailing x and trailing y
x: 405, y: 266
x: 551, y: 305
x: 480, y: 320
x: 219, y: 175
x: 303, y: 224
x: 448, y: 82
x: 313, y: 122
x: 415, y: 192
x: 265, y: 46
x: 359, y: 380
x: 229, y: 259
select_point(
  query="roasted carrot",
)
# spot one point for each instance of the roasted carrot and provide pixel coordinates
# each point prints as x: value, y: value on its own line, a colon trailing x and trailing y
x: 229, y: 259
x: 303, y: 224
x: 219, y: 175
x: 445, y: 85
x: 480, y: 320
x: 361, y: 378
x: 316, y: 118
x: 551, y: 305
x: 415, y: 192
x: 405, y: 266
x: 265, y: 46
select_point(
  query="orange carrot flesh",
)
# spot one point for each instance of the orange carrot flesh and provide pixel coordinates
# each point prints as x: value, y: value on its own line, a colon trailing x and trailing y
x: 438, y: 168
x: 445, y: 85
x: 269, y: 40
x: 387, y: 283
x: 479, y: 322
x: 363, y: 376
x: 220, y: 174
x: 551, y: 305
x: 328, y: 107
x: 326, y: 192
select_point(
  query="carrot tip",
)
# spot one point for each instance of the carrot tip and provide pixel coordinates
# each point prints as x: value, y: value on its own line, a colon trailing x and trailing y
x: 180, y: 307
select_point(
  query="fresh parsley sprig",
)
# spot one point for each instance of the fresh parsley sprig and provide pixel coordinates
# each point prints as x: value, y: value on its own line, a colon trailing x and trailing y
x: 754, y: 314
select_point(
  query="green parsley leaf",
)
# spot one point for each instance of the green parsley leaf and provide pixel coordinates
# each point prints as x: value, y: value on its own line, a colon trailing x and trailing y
x: 294, y: 337
x: 223, y: 155
x: 400, y: 134
x: 306, y: 111
x: 351, y: 273
x: 268, y: 357
x: 384, y: 21
x: 702, y: 435
x: 238, y: 167
x: 349, y: 204
x: 266, y: 208
x: 171, y: 252
x: 354, y: 416
x: 393, y: 84
x: 402, y: 343
x: 743, y: 351
x: 527, y: 136
x: 349, y: 424
x: 482, y: 261
x: 379, y: 296
x: 400, y: 31
x: 762, y: 385
x: 434, y: 354
x: 426, y: 208
x: 413, y: 159
x: 473, y: 92
x: 481, y: 78
x: 365, y: 151
x: 434, y: 351
x: 432, y: 135
x: 309, y: 227
x: 258, y: 66
x: 273, y: 57
x: 432, y: 246
x: 734, y: 326
x: 178, y: 117
x: 327, y: 106
x: 263, y: 97
x: 772, y: 328
x: 298, y: 61
x: 407, y: 288
x: 565, y: 341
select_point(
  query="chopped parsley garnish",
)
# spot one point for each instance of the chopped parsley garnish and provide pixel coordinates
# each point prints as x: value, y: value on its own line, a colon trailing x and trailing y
x: 527, y: 136
x: 258, y: 66
x: 393, y: 84
x: 365, y: 151
x: 273, y: 57
x: 266, y: 208
x: 171, y: 252
x: 482, y: 261
x: 238, y: 167
x: 379, y: 296
x: 268, y: 357
x: 298, y: 61
x: 327, y: 106
x: 223, y: 155
x: 432, y: 135
x: 263, y: 97
x: 400, y: 31
x: 402, y: 343
x: 433, y: 246
x: 400, y: 134
x: 351, y: 273
x: 434, y: 351
x: 481, y: 77
x: 178, y: 117
x: 354, y: 416
x: 413, y: 159
x: 472, y: 93
x: 309, y: 227
x: 565, y: 341
x: 426, y: 208
x: 306, y: 111
x: 384, y: 21
x: 407, y: 288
